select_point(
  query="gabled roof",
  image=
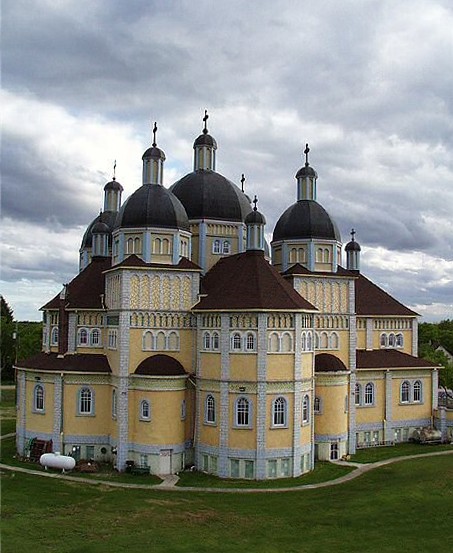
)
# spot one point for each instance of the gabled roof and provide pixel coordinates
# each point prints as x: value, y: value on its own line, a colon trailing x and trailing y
x: 390, y: 359
x: 248, y: 281
x: 134, y: 261
x: 78, y: 362
x: 85, y: 290
x: 372, y: 300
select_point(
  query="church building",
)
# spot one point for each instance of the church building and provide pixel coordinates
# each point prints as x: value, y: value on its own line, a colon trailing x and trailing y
x: 184, y: 340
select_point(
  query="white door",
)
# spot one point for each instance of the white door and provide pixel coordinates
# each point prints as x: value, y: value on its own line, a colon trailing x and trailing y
x: 165, y: 461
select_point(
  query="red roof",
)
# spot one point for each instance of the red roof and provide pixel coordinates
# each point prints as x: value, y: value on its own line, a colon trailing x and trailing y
x: 160, y: 365
x: 298, y: 269
x: 372, y: 300
x: 85, y: 290
x: 389, y: 359
x: 248, y: 281
x: 78, y: 362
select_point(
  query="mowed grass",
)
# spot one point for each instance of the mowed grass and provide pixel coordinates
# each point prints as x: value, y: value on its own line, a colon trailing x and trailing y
x: 406, y: 506
x: 375, y: 454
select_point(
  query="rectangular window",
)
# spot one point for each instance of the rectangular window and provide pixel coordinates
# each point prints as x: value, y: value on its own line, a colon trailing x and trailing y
x: 367, y: 437
x: 376, y: 436
x: 143, y: 460
x: 249, y: 469
x: 285, y: 467
x: 206, y: 463
x: 213, y: 464
x: 397, y: 434
x: 234, y: 464
x: 272, y: 468
x: 90, y: 452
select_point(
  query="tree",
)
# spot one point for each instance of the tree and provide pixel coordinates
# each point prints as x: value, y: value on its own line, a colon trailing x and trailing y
x: 430, y: 336
x: 7, y: 345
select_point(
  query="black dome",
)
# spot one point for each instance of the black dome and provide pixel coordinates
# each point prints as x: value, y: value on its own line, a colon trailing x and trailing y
x: 353, y: 246
x: 152, y: 205
x: 306, y: 171
x: 160, y: 365
x: 107, y: 217
x: 255, y: 217
x: 326, y: 362
x: 207, y: 194
x: 205, y: 140
x: 100, y: 228
x: 154, y: 152
x: 306, y: 219
x: 113, y: 185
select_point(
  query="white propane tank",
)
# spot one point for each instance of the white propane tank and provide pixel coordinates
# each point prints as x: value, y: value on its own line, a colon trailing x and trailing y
x: 57, y: 461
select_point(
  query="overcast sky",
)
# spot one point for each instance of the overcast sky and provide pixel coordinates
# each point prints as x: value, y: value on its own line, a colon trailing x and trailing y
x: 367, y: 83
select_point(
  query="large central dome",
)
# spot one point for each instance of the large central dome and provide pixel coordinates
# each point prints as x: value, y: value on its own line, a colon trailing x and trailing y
x: 206, y: 194
x: 306, y: 219
x: 153, y: 206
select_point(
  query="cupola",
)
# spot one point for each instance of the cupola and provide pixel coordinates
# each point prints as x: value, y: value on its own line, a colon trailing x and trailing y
x: 255, y: 222
x: 153, y: 162
x: 204, y: 147
x: 352, y: 250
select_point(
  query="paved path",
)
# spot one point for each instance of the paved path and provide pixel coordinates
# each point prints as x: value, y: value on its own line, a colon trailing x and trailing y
x: 169, y: 484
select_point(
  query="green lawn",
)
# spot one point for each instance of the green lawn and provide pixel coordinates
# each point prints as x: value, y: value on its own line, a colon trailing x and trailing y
x: 402, y: 507
x: 374, y: 454
x: 323, y: 472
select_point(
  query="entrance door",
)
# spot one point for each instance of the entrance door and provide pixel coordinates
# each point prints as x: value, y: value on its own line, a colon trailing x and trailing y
x: 165, y: 461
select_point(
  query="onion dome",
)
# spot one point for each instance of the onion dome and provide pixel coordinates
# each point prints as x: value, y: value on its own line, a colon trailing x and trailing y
x: 153, y: 206
x: 205, y: 139
x: 106, y: 217
x: 326, y: 362
x: 100, y: 228
x: 306, y: 219
x: 113, y: 185
x: 353, y: 250
x: 255, y: 222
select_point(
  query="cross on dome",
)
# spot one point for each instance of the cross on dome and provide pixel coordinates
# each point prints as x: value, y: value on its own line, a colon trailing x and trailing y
x: 154, y: 134
x: 255, y: 201
x: 307, y: 149
x: 205, y: 120
x: 242, y: 182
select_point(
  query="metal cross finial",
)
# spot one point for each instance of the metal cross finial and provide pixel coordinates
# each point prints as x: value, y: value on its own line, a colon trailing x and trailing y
x: 255, y: 201
x: 352, y: 234
x: 205, y: 119
x: 242, y: 182
x: 114, y: 170
x: 307, y: 149
x: 154, y: 134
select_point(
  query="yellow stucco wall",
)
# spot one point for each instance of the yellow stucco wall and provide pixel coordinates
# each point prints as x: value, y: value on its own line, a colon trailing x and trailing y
x: 243, y: 366
x: 210, y: 365
x: 277, y: 437
x: 242, y: 438
x: 280, y: 366
x: 403, y: 411
x: 333, y: 418
x: 376, y: 412
x: 165, y: 425
x: 100, y: 423
x: 39, y: 421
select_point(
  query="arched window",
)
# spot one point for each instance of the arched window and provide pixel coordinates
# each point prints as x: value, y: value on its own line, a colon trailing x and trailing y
x: 326, y: 256
x: 114, y: 404
x: 148, y: 340
x: 399, y: 340
x: 165, y: 246
x: 304, y: 342
x: 130, y: 246
x: 334, y: 341
x: 137, y: 245
x: 215, y: 341
x: 274, y: 342
x: 279, y: 412
x: 54, y: 336
x: 309, y: 341
x: 316, y: 340
x: 369, y: 394
x: 206, y: 340
x: 216, y: 246
x: 417, y: 391
x: 83, y: 337
x: 236, y: 341
x: 173, y: 341
x: 405, y: 389
x: 324, y: 341
x: 157, y: 245
x: 357, y: 394
x: 306, y: 409
x: 86, y: 403
x: 383, y: 340
x: 317, y: 405
x: 160, y: 341
x: 319, y: 255
x: 38, y: 398
x: 145, y: 410
x: 226, y: 247
x: 287, y: 343
x: 250, y: 343
x: 210, y: 409
x: 95, y: 337
x: 242, y: 412
x: 392, y: 340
